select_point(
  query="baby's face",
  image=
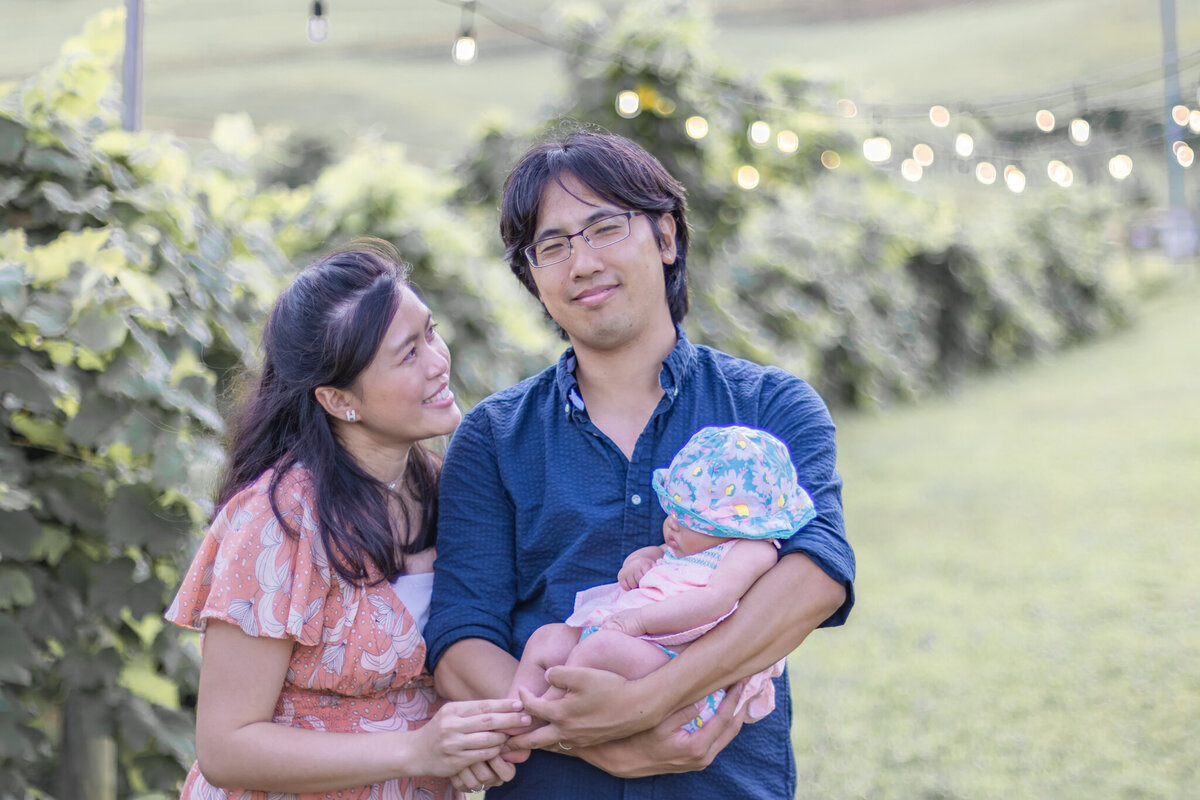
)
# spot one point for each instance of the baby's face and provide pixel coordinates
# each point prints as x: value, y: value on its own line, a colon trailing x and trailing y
x: 685, y: 541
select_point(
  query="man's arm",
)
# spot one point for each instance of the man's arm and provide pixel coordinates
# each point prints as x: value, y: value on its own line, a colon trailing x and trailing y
x: 790, y: 601
x: 473, y: 669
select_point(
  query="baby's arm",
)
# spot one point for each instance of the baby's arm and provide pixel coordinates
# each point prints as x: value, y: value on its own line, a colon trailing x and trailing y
x: 745, y: 562
x: 637, y: 564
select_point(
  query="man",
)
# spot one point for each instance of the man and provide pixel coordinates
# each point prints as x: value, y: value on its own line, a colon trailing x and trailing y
x: 546, y: 487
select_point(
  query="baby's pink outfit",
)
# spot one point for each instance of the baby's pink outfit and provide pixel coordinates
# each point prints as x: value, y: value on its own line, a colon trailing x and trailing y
x: 670, y: 576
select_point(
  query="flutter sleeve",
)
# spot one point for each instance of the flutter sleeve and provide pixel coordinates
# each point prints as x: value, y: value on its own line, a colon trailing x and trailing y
x: 251, y: 572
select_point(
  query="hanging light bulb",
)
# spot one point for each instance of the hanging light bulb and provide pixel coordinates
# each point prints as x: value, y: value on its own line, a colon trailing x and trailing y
x: 911, y: 170
x: 746, y: 177
x: 985, y: 173
x: 923, y: 154
x: 964, y: 145
x: 318, y: 23
x: 696, y: 127
x: 847, y: 108
x: 1180, y: 115
x: 787, y: 142
x: 1120, y: 166
x: 1185, y: 155
x: 465, y: 50
x: 1194, y: 121
x: 939, y: 116
x: 1080, y: 131
x: 877, y: 149
x: 1044, y: 120
x: 629, y: 104
x: 759, y: 133
x: 1014, y: 179
x: 830, y: 159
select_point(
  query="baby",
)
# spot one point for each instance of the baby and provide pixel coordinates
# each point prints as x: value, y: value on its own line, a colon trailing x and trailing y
x: 729, y: 494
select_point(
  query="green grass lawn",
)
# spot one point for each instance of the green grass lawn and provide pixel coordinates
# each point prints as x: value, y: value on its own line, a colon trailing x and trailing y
x: 1028, y: 614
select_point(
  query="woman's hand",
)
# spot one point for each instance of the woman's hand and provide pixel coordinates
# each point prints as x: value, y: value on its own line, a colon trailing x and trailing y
x: 463, y: 734
x: 484, y: 775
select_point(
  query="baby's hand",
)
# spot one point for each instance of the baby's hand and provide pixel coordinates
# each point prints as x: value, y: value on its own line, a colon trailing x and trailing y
x: 628, y: 622
x: 633, y: 569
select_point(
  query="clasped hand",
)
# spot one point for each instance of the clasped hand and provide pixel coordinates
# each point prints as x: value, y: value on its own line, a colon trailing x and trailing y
x: 605, y: 719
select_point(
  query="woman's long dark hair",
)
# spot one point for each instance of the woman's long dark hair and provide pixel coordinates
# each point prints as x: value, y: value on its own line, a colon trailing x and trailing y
x: 324, y: 331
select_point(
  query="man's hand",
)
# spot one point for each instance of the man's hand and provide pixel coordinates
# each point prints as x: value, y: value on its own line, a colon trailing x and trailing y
x: 665, y: 748
x: 598, y: 706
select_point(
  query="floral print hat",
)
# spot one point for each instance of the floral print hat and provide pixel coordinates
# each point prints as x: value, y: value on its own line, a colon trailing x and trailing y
x: 734, y: 481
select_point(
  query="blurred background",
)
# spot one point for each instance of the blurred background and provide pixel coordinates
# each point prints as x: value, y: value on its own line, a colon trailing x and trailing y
x: 971, y: 225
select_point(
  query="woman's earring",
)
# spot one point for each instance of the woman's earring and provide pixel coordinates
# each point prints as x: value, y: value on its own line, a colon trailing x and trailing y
x: 351, y: 415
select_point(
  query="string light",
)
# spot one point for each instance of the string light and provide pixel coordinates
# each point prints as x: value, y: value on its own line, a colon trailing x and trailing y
x: 985, y: 173
x: 1044, y: 120
x: 847, y: 108
x: 787, y: 142
x: 1184, y: 154
x: 1080, y: 131
x: 1120, y: 166
x: 964, y: 145
x: 746, y: 177
x: 1194, y: 121
x: 939, y: 116
x: 1014, y: 179
x: 911, y: 170
x: 465, y: 50
x: 923, y: 154
x: 696, y: 127
x: 629, y: 104
x: 318, y: 23
x: 759, y: 133
x: 877, y: 149
x: 830, y: 159
x: 1180, y: 115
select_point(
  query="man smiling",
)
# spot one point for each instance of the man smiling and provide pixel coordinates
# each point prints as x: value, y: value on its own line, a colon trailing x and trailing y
x: 546, y: 487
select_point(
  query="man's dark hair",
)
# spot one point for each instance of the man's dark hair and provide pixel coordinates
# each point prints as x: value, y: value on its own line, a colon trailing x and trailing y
x: 612, y: 167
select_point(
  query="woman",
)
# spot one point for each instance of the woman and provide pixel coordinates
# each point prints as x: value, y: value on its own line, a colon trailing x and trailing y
x: 312, y: 584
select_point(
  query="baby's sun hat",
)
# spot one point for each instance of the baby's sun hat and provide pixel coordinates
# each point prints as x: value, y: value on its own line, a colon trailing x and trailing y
x: 734, y: 481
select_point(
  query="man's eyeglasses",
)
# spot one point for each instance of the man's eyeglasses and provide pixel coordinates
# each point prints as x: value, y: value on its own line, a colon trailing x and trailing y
x: 601, y: 233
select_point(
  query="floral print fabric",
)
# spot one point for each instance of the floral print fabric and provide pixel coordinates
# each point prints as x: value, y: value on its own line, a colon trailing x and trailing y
x: 358, y: 664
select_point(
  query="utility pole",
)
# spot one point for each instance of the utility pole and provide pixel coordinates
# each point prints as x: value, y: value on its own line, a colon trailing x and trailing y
x: 1179, y: 234
x: 131, y: 69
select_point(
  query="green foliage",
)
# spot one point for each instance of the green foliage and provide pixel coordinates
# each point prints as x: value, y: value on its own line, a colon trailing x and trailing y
x: 123, y: 301
x: 869, y: 291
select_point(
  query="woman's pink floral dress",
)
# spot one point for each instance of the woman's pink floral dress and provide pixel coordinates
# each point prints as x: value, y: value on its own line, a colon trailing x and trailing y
x: 359, y: 660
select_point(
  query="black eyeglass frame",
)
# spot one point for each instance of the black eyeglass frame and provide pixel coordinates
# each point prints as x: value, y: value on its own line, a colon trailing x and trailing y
x: 529, y: 249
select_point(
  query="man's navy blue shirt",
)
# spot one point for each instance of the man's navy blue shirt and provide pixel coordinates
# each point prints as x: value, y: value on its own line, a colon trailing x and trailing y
x: 537, y: 503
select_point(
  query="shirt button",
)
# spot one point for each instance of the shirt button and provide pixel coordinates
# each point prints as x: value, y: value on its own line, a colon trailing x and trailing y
x: 636, y: 499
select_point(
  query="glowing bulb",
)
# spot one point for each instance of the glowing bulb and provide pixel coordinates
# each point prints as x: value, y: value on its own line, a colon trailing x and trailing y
x: 629, y: 105
x: 1055, y: 170
x: 939, y: 116
x: 1180, y: 114
x: 877, y: 149
x: 318, y: 24
x: 911, y: 170
x: 964, y: 145
x: 1014, y: 179
x: 696, y: 127
x: 464, y: 50
x: 985, y: 173
x: 787, y: 142
x: 1194, y: 121
x: 1080, y: 131
x: 746, y: 176
x: 830, y: 160
x: 923, y: 155
x: 847, y: 108
x: 1185, y: 155
x: 1120, y: 166
x: 664, y: 106
x: 1044, y: 120
x: 759, y: 133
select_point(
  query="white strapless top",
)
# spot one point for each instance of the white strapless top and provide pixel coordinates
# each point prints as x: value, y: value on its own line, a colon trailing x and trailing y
x: 414, y: 591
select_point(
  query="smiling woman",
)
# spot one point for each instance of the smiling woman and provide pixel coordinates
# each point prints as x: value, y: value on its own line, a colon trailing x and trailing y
x: 312, y: 582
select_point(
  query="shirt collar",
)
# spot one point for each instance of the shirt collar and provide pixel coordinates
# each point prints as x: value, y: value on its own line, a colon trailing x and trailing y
x: 676, y: 367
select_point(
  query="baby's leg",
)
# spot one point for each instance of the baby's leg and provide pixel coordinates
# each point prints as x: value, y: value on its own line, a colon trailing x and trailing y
x: 549, y: 646
x: 628, y: 656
